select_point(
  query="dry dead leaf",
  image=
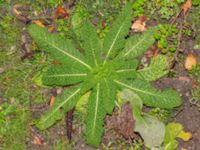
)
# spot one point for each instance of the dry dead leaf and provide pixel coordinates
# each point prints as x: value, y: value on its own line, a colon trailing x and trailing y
x: 183, y: 149
x: 187, y: 6
x: 61, y: 12
x: 139, y: 25
x: 37, y: 139
x: 39, y: 23
x: 190, y: 61
x: 51, y: 28
x: 123, y: 123
x: 52, y: 101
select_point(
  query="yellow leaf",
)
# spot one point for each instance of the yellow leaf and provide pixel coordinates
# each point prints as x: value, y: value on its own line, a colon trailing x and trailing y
x: 186, y: 136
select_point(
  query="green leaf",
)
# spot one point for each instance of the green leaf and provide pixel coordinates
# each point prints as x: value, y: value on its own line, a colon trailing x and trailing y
x: 62, y: 75
x: 138, y: 44
x: 67, y: 101
x: 127, y: 69
x: 115, y: 38
x: 156, y: 69
x: 60, y: 49
x: 151, y: 96
x: 95, y: 117
x: 89, y: 42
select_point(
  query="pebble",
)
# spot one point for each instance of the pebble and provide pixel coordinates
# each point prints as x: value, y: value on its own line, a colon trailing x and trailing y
x: 1, y: 70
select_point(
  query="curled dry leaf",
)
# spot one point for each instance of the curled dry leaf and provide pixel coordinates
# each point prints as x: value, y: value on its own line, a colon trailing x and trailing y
x: 139, y: 25
x: 190, y: 61
x: 187, y: 6
x: 61, y: 13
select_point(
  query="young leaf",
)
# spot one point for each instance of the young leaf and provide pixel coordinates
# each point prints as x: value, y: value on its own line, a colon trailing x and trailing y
x: 59, y: 48
x: 61, y: 105
x: 156, y: 69
x: 138, y: 44
x: 151, y: 96
x: 115, y: 38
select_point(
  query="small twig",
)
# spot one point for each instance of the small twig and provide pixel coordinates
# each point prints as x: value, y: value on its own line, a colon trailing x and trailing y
x: 69, y: 123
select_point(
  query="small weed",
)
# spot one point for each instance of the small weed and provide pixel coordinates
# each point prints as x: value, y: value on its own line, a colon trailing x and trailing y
x: 165, y: 9
x: 55, y: 2
x: 138, y: 7
x: 195, y: 96
x: 137, y: 145
x: 195, y: 72
x: 166, y: 38
x: 161, y: 114
x: 62, y: 27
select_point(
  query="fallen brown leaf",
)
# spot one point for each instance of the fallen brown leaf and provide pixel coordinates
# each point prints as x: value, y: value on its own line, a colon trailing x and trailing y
x: 187, y: 6
x: 52, y: 101
x: 61, y: 13
x: 190, y: 61
x: 51, y: 28
x: 39, y: 23
x: 139, y: 25
x: 123, y: 123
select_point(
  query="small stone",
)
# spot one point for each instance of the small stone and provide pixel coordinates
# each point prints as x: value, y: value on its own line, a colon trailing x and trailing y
x: 1, y: 70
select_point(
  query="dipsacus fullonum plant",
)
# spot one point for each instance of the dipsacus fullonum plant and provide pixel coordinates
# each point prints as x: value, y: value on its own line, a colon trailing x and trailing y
x: 103, y: 68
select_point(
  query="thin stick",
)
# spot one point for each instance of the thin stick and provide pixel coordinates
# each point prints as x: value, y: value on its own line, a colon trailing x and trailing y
x: 69, y: 123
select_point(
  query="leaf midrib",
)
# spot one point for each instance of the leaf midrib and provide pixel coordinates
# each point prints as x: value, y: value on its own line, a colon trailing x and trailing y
x: 96, y: 109
x: 68, y: 75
